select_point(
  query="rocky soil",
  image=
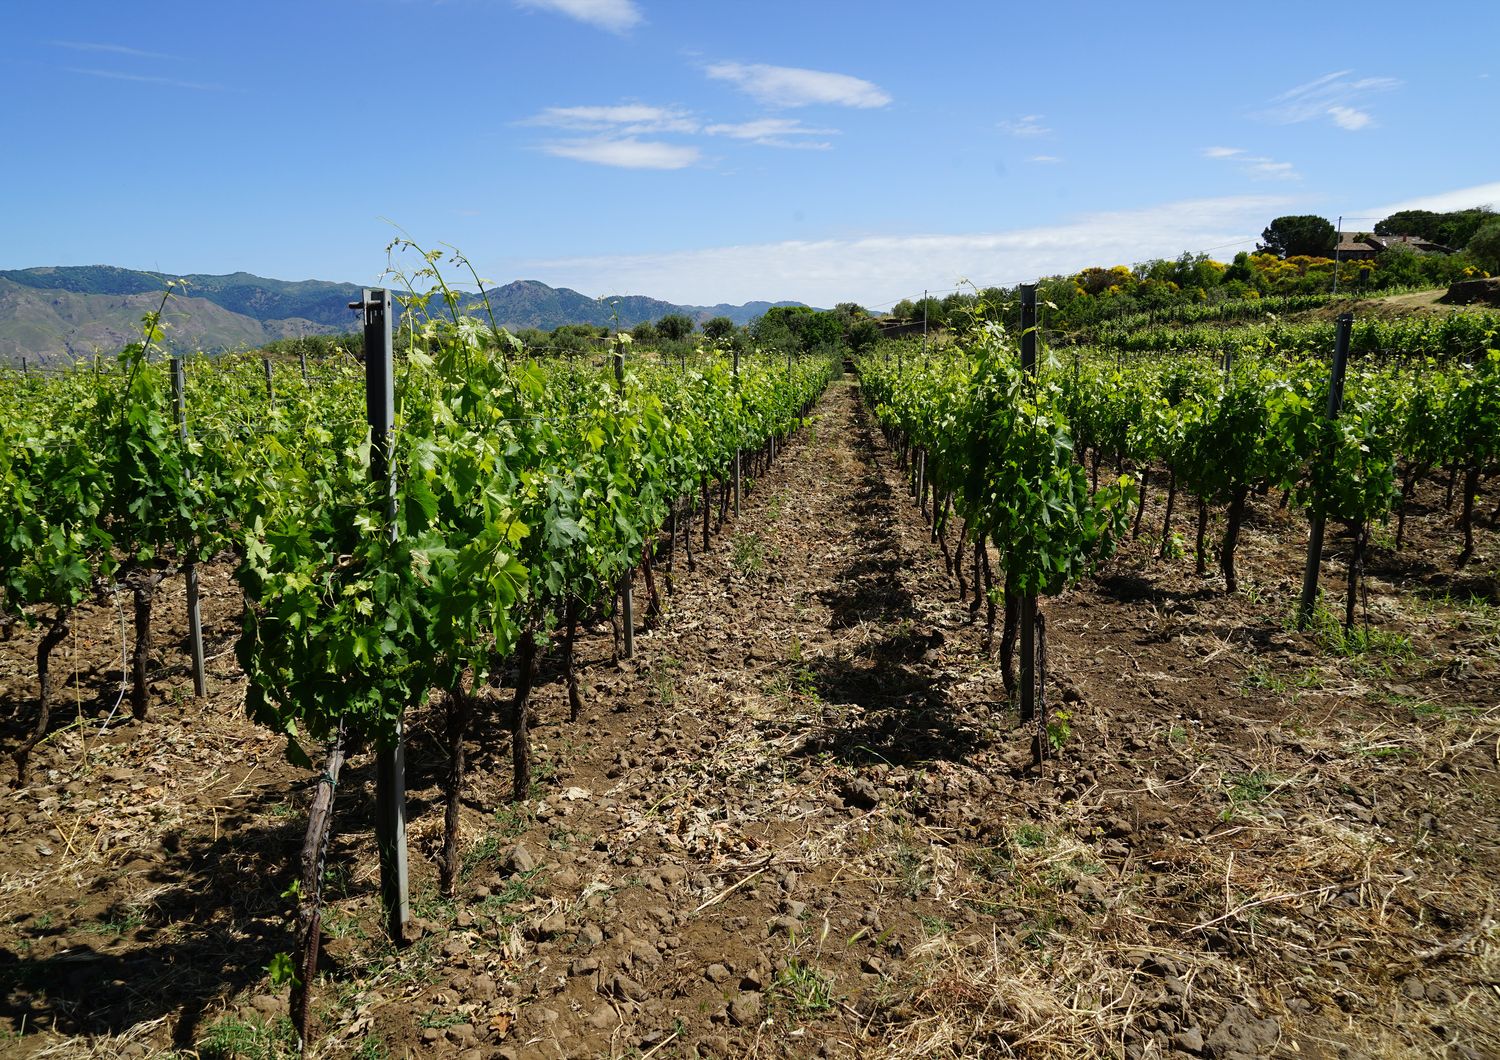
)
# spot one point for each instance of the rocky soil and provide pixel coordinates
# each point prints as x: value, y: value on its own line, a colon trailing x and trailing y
x: 803, y: 821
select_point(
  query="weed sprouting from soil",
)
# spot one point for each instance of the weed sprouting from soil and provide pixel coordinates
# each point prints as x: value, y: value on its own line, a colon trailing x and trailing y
x: 806, y: 992
x: 233, y: 1038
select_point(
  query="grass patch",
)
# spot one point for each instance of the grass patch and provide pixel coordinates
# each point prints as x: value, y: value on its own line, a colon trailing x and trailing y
x: 1262, y: 678
x: 1359, y: 640
x: 512, y: 822
x: 517, y: 889
x: 487, y: 849
x: 232, y: 1038
x: 664, y: 675
x: 911, y: 869
x: 805, y: 991
x: 1028, y: 837
x: 430, y: 905
x: 115, y: 923
x: 372, y: 1048
x: 1247, y: 789
x: 749, y: 554
x: 935, y: 926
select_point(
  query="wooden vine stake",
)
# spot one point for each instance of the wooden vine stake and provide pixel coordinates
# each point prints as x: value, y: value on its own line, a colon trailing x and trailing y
x: 390, y: 762
x: 1315, y: 516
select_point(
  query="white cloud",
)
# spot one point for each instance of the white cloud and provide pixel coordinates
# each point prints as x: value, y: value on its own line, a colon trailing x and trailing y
x: 1272, y: 170
x: 1026, y: 125
x: 790, y: 86
x: 1460, y: 199
x: 1260, y: 167
x: 622, y: 124
x: 877, y: 268
x: 1349, y: 118
x: 773, y: 132
x: 1044, y: 159
x: 628, y: 118
x: 1330, y: 96
x: 617, y: 16
x: 626, y: 153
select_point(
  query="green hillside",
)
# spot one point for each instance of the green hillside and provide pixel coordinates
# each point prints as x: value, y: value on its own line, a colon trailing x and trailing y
x: 58, y: 314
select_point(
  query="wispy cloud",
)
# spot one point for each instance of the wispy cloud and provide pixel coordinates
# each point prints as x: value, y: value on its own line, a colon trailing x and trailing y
x: 1349, y: 118
x: 790, y: 86
x: 111, y: 49
x: 625, y: 153
x: 619, y: 126
x: 1331, y: 96
x: 1261, y: 167
x: 1044, y: 159
x: 628, y: 118
x: 1026, y: 125
x: 773, y: 132
x: 1459, y: 199
x: 880, y: 267
x: 616, y: 16
x: 147, y: 79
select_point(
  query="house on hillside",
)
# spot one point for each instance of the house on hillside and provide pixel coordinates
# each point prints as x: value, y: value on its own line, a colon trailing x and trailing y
x: 1356, y: 246
x: 1420, y: 244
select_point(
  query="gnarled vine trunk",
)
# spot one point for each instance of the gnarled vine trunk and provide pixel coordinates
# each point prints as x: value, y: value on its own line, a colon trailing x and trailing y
x: 1232, y: 536
x: 57, y: 629
x: 520, y: 744
x: 143, y: 590
x: 310, y: 908
x: 460, y: 710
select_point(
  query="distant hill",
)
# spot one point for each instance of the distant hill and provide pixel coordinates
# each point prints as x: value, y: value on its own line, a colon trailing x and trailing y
x: 60, y: 314
x: 532, y: 304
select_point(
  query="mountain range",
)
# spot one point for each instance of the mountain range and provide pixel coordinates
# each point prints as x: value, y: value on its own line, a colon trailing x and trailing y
x: 57, y: 315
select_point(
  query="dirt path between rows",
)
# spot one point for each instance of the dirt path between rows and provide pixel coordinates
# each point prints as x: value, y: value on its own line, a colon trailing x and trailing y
x: 801, y: 822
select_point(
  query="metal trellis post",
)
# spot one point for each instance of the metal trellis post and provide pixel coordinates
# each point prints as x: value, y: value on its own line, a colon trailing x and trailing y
x: 390, y: 762
x: 736, y: 448
x: 627, y: 596
x: 190, y: 568
x: 1028, y: 602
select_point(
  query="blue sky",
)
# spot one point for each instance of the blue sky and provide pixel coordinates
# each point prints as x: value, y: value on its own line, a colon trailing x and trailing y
x: 727, y: 150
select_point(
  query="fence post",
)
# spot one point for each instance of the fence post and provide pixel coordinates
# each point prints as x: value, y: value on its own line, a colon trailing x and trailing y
x: 302, y: 359
x: 25, y: 369
x: 190, y: 568
x: 924, y: 325
x: 1028, y: 601
x: 270, y: 390
x: 390, y: 762
x: 1315, y: 516
x: 627, y: 596
x: 736, y: 448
